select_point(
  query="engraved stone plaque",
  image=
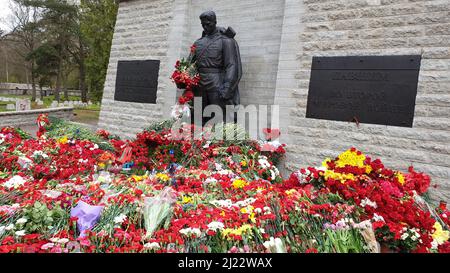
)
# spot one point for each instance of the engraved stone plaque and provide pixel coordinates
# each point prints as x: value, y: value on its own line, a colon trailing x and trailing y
x: 364, y: 89
x: 137, y: 81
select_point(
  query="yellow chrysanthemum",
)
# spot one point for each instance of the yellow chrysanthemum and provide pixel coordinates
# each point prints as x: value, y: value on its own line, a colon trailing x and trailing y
x: 400, y: 178
x: 350, y: 158
x: 342, y: 177
x: 291, y: 192
x: 440, y: 236
x: 259, y: 190
x: 222, y: 213
x: 325, y: 162
x: 252, y: 217
x: 163, y: 177
x: 186, y: 200
x: 138, y: 178
x: 244, y: 163
x: 247, y: 209
x: 63, y: 140
x: 244, y: 229
x: 239, y: 183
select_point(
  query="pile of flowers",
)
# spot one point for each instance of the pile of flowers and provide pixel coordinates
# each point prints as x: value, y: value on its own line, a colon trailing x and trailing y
x: 155, y: 194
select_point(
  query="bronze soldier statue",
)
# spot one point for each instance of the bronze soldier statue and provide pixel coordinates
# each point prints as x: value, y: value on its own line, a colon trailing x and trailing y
x: 219, y: 64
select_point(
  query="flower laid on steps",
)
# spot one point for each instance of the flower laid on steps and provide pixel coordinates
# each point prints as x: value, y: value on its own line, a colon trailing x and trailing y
x: 204, y: 196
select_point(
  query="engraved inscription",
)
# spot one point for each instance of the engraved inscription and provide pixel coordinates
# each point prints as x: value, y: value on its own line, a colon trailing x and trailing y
x: 360, y: 76
x: 376, y: 90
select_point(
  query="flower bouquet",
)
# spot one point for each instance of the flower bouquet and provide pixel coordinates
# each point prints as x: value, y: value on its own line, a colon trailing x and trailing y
x: 42, y: 121
x: 157, y: 208
x: 186, y: 76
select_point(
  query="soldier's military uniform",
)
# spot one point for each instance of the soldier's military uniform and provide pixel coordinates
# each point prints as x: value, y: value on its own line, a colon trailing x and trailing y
x: 219, y: 64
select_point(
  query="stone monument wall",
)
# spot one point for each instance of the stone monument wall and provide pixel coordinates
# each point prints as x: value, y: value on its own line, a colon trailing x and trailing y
x: 142, y: 32
x: 378, y: 27
x: 278, y: 40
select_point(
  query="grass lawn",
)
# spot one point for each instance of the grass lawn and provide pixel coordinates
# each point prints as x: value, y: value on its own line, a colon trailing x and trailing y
x: 86, y: 116
x: 48, y: 101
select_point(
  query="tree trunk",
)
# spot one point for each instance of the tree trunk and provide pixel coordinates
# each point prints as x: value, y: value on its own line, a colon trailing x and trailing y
x: 66, y: 92
x: 58, y: 82
x: 82, y: 67
x: 33, y: 83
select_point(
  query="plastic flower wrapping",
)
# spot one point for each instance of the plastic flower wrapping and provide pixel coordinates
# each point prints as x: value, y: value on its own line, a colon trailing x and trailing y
x: 87, y: 216
x: 157, y: 208
x: 75, y: 191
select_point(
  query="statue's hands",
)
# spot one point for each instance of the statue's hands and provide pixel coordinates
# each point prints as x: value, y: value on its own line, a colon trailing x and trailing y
x: 221, y: 92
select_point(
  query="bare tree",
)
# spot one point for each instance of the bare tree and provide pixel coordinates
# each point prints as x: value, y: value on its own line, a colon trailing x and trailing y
x: 24, y: 22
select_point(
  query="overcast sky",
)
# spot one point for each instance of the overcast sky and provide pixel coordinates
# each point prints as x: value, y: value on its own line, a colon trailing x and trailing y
x: 4, y: 12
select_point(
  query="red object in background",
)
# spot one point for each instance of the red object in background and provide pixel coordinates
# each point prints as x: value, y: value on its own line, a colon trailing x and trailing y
x: 443, y: 205
x: 271, y: 134
x: 126, y: 155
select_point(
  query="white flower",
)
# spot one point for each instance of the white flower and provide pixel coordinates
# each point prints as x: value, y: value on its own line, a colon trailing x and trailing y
x: 279, y: 246
x: 94, y: 148
x: 225, y: 172
x: 218, y: 167
x: 210, y: 180
x: 368, y: 202
x: 275, y: 245
x: 262, y: 231
x: 2, y: 230
x: 377, y: 218
x: 179, y: 111
x: 404, y: 236
x: 51, y: 193
x: 264, y: 162
x: 258, y: 210
x: 47, y: 246
x: 20, y: 233
x: 15, y: 206
x: 272, y: 175
x: 21, y: 221
x: 191, y: 231
x: 222, y: 203
x: 206, y: 146
x: 245, y: 202
x: 54, y: 240
x: 14, y: 182
x: 9, y: 227
x: 63, y: 241
x: 269, y: 244
x: 40, y: 153
x: 119, y: 219
x: 275, y: 144
x: 215, y: 226
x: 434, y: 245
x: 154, y: 245
x: 24, y: 162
